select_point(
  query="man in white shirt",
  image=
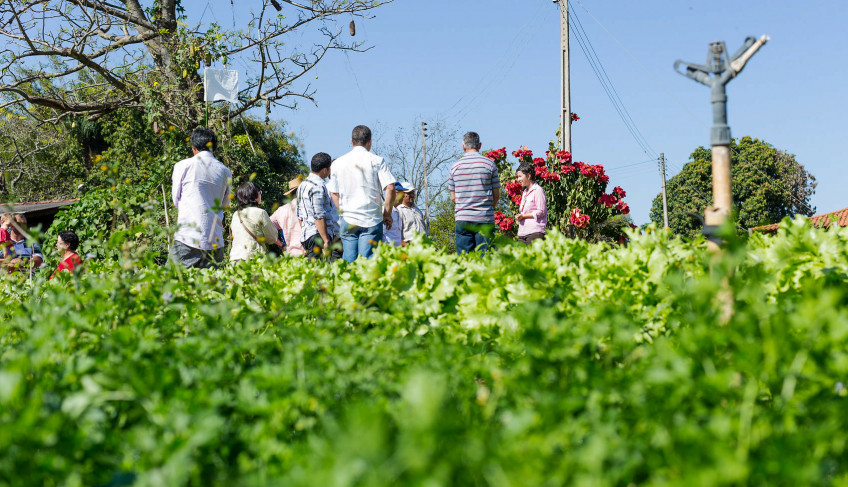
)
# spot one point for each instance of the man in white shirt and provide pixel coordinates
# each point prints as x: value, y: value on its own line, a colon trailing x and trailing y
x: 200, y: 188
x: 357, y: 182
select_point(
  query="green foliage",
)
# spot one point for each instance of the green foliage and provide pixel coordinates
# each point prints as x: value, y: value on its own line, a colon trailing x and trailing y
x: 443, y: 224
x: 767, y: 185
x: 560, y: 363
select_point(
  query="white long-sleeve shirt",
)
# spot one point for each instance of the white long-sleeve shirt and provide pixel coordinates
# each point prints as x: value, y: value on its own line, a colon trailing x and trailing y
x: 199, y: 186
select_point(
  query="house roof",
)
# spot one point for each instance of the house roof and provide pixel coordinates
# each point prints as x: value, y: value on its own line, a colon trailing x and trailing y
x: 35, y: 206
x: 820, y: 221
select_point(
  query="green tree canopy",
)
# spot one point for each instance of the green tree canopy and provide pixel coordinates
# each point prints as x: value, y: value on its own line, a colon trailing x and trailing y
x: 767, y: 185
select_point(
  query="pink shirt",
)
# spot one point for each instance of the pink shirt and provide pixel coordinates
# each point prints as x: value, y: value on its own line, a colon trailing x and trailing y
x: 285, y: 219
x: 533, y: 201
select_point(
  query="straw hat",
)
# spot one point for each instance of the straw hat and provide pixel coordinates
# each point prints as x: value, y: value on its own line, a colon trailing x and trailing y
x: 293, y: 185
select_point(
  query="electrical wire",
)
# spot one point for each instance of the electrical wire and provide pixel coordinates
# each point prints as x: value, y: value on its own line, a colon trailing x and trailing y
x: 576, y: 18
x: 499, y: 70
x: 620, y: 109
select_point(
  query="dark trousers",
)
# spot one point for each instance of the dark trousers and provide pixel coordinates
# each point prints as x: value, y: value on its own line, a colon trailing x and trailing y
x: 192, y: 257
x: 469, y: 238
x: 530, y: 237
x: 314, y: 246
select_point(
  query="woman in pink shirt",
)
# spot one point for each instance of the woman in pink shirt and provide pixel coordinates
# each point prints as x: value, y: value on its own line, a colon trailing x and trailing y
x: 285, y: 219
x: 532, y: 213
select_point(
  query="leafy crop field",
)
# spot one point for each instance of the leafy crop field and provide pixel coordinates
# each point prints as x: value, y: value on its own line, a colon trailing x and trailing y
x: 566, y: 363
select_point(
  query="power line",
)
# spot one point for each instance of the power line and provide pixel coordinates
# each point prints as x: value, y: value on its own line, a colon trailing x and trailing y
x: 609, y: 81
x: 510, y: 55
x: 619, y: 107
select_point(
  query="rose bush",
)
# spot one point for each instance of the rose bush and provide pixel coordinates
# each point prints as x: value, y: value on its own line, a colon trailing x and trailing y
x: 576, y: 192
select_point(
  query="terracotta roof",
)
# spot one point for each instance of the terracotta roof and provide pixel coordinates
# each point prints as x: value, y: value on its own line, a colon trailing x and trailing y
x: 821, y: 221
x: 30, y: 206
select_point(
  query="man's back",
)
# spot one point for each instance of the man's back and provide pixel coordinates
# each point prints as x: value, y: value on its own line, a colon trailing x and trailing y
x: 359, y: 178
x: 200, y: 185
x: 473, y: 178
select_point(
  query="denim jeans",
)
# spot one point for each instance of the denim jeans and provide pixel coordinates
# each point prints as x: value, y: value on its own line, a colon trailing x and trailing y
x: 469, y: 238
x: 358, y: 241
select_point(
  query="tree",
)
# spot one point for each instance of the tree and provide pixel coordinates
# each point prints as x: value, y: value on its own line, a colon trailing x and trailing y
x: 404, y: 155
x: 93, y: 57
x: 767, y: 185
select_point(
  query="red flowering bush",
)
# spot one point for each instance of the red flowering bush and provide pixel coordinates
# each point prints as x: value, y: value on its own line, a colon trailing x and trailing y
x: 578, y: 204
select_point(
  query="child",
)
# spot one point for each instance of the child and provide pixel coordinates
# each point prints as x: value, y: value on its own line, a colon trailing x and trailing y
x: 5, y: 223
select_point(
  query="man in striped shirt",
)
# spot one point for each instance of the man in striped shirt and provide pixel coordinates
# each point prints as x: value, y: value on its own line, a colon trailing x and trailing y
x: 474, y: 188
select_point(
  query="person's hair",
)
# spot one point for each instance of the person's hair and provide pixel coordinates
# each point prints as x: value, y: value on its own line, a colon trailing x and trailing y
x: 246, y: 195
x: 471, y: 140
x: 528, y: 169
x: 320, y: 161
x: 204, y: 139
x: 6, y: 218
x: 70, y: 238
x: 361, y: 135
x: 21, y: 220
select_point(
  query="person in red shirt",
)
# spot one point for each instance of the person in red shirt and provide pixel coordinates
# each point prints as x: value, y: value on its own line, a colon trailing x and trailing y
x: 5, y: 224
x: 67, y: 243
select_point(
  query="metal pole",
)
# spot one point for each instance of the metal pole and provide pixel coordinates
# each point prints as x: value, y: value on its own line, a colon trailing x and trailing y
x: 426, y: 170
x: 665, y: 199
x: 721, y: 67
x: 565, y: 81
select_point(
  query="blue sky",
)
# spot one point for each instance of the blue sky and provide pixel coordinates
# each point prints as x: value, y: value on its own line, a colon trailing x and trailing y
x: 492, y: 66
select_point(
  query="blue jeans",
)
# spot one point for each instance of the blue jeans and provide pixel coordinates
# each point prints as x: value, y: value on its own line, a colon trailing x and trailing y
x: 469, y: 238
x: 358, y: 241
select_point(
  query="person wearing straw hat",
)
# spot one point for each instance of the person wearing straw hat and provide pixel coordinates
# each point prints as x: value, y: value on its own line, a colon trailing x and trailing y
x: 285, y: 219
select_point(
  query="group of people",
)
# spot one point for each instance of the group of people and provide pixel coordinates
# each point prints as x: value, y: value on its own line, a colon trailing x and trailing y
x: 342, y: 209
x: 18, y: 253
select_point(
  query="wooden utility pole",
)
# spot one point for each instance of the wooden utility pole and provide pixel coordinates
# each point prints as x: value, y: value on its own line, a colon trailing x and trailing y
x: 426, y: 171
x: 565, y: 81
x: 665, y: 199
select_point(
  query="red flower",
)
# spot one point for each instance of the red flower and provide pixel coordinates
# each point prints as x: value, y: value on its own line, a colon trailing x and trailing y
x: 574, y: 117
x: 516, y: 199
x: 603, y: 178
x: 634, y: 227
x: 567, y: 168
x: 617, y: 191
x: 540, y: 170
x: 623, y: 208
x: 506, y: 224
x: 513, y: 189
x: 496, y: 154
x: 579, y: 220
x: 499, y: 216
x: 563, y: 156
x: 523, y: 153
x: 607, y: 200
x: 539, y: 161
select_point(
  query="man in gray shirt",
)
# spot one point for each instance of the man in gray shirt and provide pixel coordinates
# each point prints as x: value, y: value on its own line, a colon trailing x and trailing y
x: 475, y: 188
x: 318, y: 216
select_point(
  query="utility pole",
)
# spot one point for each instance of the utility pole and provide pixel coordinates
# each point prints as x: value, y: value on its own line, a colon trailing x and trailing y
x: 565, y: 80
x: 426, y: 171
x: 665, y: 199
x: 719, y: 70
